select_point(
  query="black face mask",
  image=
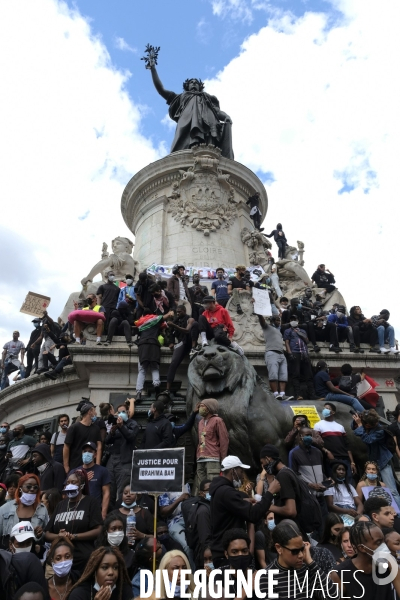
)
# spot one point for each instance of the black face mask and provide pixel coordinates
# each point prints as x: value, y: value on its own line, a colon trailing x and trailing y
x: 89, y: 300
x: 271, y: 467
x: 241, y: 562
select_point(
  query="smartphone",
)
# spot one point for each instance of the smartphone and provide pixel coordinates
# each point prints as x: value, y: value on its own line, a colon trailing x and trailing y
x: 112, y: 419
x: 327, y: 483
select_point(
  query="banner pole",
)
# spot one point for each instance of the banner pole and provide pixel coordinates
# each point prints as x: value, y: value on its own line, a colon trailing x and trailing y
x: 155, y: 532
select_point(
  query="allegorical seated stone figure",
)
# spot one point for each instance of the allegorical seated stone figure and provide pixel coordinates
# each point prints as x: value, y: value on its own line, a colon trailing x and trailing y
x: 120, y: 262
x: 197, y: 114
x: 250, y: 412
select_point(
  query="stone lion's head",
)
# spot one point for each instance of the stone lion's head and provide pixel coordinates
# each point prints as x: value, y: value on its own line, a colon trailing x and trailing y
x: 216, y: 369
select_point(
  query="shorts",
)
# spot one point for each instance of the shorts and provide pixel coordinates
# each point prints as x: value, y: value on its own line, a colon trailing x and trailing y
x: 276, y: 365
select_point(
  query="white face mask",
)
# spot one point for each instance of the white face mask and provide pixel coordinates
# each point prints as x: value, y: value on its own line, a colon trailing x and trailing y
x: 129, y: 281
x: 97, y: 587
x: 115, y: 538
x: 28, y: 499
x: 41, y: 468
x: 26, y: 549
x: 294, y: 323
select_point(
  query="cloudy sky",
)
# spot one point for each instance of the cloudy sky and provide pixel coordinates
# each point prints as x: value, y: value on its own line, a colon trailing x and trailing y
x: 313, y: 91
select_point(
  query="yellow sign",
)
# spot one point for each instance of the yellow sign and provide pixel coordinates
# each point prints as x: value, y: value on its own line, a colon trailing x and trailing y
x: 309, y: 411
x: 35, y: 304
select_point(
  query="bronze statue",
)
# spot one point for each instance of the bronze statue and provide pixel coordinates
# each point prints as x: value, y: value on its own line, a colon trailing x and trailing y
x: 197, y: 114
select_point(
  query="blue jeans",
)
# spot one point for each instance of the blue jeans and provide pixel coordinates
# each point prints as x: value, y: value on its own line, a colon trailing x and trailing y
x: 388, y: 478
x: 177, y: 532
x: 349, y: 400
x: 385, y: 334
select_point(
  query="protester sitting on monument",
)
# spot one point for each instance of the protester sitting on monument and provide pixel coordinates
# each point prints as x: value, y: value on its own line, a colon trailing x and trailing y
x: 216, y: 324
x: 128, y: 290
x: 143, y: 295
x: 296, y: 341
x: 280, y: 240
x: 80, y: 325
x: 165, y: 539
x: 239, y: 281
x: 144, y: 561
x: 60, y: 557
x: 371, y: 477
x: 186, y: 330
x: 107, y: 295
x: 363, y: 331
x: 121, y: 321
x: 149, y: 349
x: 197, y: 293
x: 366, y: 426
x: 348, y: 381
x: 64, y: 358
x: 9, y: 359
x: 160, y: 302
x: 303, y: 317
x: 177, y: 285
x: 219, y: 288
x: 326, y: 389
x: 339, y: 330
x: 130, y: 501
x: 274, y: 357
x: 385, y: 332
x: 332, y: 528
x: 323, y: 278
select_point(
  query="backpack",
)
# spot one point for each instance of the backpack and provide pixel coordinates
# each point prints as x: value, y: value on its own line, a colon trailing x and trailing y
x: 189, y: 513
x: 309, y: 514
x: 9, y: 583
x: 346, y: 383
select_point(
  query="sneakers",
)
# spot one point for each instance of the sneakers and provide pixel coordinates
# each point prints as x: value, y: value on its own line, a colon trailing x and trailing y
x: 106, y: 343
x: 359, y: 350
x: 394, y: 350
x: 205, y: 344
x: 334, y: 349
x: 130, y: 344
x: 138, y: 397
x: 317, y: 348
x: 50, y: 375
x: 235, y: 346
x: 99, y: 343
x: 193, y: 353
x: 384, y: 350
x: 353, y: 348
x: 284, y: 398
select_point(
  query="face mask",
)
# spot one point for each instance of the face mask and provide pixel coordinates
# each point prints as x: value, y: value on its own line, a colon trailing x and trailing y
x: 339, y: 315
x: 210, y: 565
x: 340, y: 479
x: 372, y: 475
x: 28, y: 499
x: 208, y: 496
x: 94, y: 419
x: 294, y: 323
x: 237, y: 483
x: 271, y: 524
x: 326, y: 412
x: 36, y: 325
x: 3, y: 430
x: 149, y: 413
x: 3, y: 446
x: 240, y: 563
x: 97, y: 587
x: 115, y: 538
x: 163, y: 537
x: 42, y: 468
x: 19, y: 550
x: 71, y: 490
x: 123, y: 416
x: 382, y: 548
x: 89, y: 300
x: 128, y: 505
x: 270, y: 467
x: 299, y: 306
x: 203, y: 412
x: 111, y: 277
x: 307, y: 440
x: 61, y: 569
x: 129, y: 281
x: 87, y: 458
x: 284, y: 306
x: 178, y: 590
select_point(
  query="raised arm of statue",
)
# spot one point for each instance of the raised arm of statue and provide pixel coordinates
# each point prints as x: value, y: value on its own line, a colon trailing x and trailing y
x: 158, y: 85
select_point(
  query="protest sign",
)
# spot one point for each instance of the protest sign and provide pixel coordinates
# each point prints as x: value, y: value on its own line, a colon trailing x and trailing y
x: 309, y: 411
x: 370, y: 491
x: 262, y: 303
x: 157, y: 471
x: 35, y: 304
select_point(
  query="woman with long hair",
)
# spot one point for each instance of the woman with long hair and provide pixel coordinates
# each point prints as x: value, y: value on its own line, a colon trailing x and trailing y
x: 25, y: 507
x: 50, y: 499
x: 104, y: 578
x: 333, y: 527
x: 371, y: 477
x: 77, y: 517
x: 264, y: 551
x: 343, y: 542
x: 144, y: 521
x: 172, y: 561
x: 59, y: 574
x: 342, y: 498
x: 113, y: 534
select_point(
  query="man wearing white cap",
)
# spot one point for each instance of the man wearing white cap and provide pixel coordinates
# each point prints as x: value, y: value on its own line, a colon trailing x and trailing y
x: 19, y: 565
x: 229, y: 509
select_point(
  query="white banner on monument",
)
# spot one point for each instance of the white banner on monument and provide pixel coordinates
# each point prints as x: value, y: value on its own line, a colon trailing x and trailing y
x: 165, y: 271
x: 262, y: 304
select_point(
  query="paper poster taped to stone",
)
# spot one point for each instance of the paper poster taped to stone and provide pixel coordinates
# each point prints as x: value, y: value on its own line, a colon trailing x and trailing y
x: 35, y: 304
x: 157, y: 471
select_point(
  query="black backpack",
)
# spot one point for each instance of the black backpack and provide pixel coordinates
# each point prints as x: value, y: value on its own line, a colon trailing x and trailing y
x: 346, y: 383
x: 309, y: 516
x: 189, y: 513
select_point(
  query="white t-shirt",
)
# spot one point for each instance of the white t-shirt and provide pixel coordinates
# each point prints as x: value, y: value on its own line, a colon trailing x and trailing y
x: 341, y: 495
x: 182, y: 292
x: 325, y: 426
x: 60, y: 439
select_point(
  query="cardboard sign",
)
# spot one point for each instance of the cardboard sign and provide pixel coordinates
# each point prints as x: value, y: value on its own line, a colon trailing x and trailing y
x: 371, y: 491
x: 157, y: 471
x: 262, y: 303
x: 35, y: 304
x: 309, y: 411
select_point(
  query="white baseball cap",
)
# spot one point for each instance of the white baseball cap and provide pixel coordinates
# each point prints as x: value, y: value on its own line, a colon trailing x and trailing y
x: 231, y: 462
x: 22, y: 531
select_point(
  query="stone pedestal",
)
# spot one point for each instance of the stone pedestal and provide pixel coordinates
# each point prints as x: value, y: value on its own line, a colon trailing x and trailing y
x: 191, y: 207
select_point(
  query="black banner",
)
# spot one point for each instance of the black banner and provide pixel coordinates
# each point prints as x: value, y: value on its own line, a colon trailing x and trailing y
x: 157, y: 471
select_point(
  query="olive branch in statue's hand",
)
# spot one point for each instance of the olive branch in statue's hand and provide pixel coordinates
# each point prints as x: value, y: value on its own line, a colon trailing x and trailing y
x: 151, y: 56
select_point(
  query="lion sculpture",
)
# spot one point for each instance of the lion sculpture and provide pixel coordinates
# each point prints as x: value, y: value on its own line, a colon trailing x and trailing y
x: 252, y: 415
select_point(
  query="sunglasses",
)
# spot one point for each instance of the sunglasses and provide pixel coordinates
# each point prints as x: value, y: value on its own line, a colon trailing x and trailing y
x: 32, y: 487
x: 295, y: 551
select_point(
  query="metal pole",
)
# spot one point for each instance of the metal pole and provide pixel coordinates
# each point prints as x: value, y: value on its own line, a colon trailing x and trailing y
x: 155, y: 532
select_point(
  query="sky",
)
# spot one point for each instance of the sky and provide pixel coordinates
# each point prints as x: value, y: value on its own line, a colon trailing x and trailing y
x: 313, y: 91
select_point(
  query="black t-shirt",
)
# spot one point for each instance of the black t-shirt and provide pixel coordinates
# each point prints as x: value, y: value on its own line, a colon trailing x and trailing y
x: 97, y: 476
x: 80, y: 518
x: 144, y: 520
x: 336, y: 551
x: 109, y: 295
x: 86, y: 591
x: 238, y: 283
x: 288, y: 491
x: 77, y: 435
x: 361, y: 585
